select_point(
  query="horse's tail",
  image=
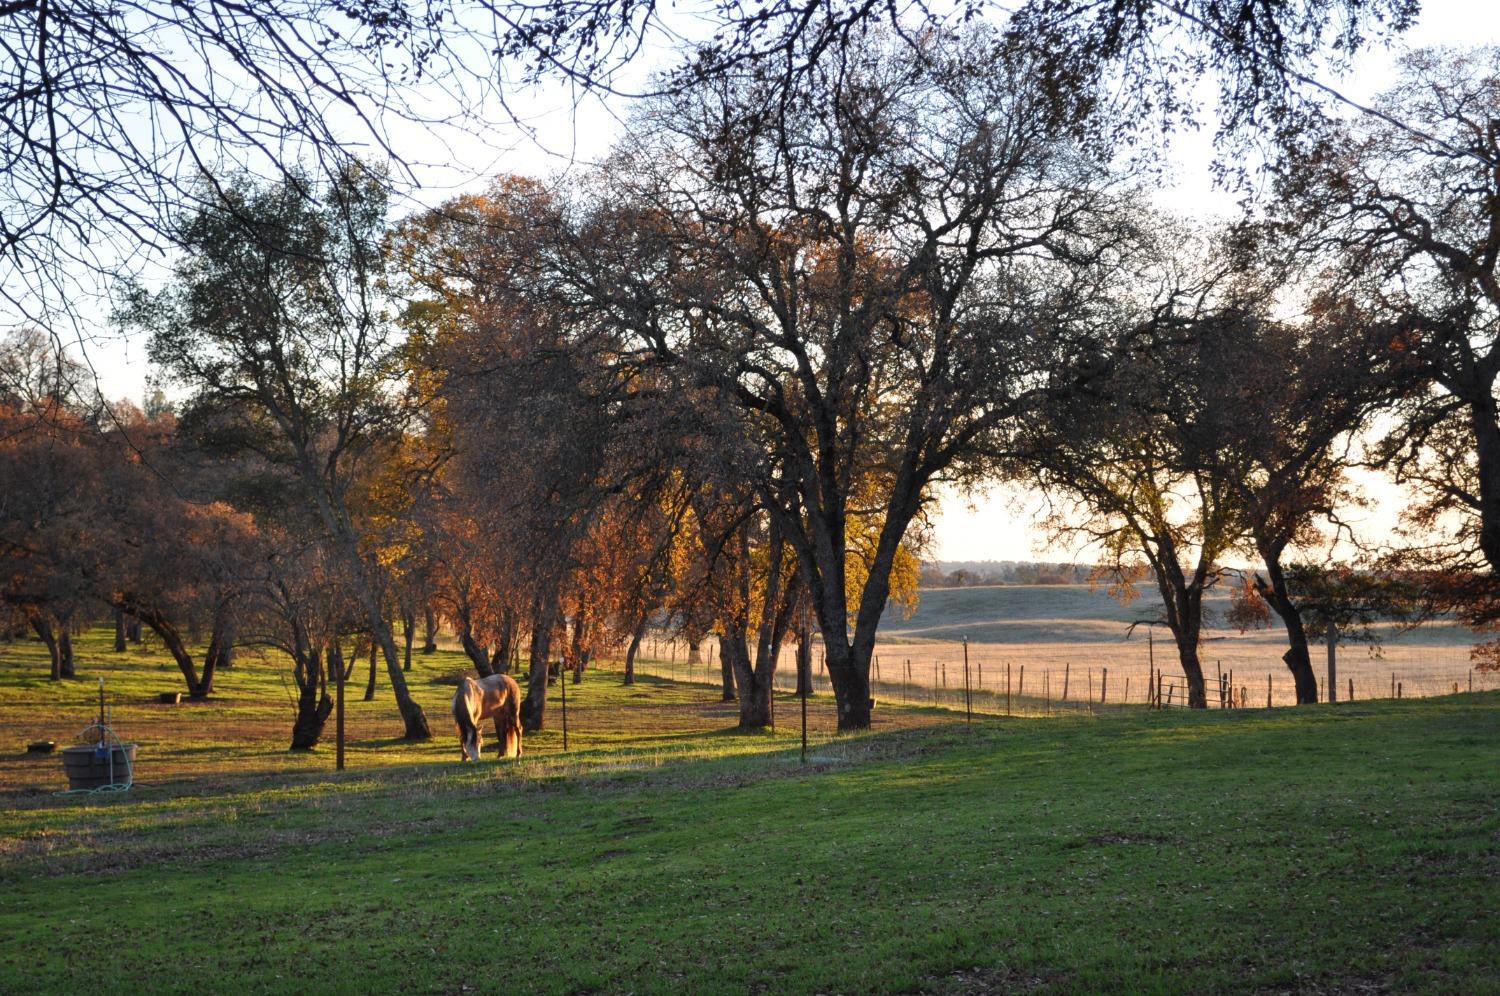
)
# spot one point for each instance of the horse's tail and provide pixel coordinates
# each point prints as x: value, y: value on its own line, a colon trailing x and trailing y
x: 511, y: 717
x: 463, y: 718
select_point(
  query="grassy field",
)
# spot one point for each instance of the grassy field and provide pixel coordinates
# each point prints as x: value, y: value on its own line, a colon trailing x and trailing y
x: 1325, y: 849
x: 1053, y: 628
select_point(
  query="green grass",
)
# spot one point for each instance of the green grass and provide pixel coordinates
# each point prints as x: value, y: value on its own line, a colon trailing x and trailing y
x: 1328, y: 849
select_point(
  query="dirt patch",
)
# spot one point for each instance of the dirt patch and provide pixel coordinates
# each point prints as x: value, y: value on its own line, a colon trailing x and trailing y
x: 995, y: 979
x: 1102, y: 839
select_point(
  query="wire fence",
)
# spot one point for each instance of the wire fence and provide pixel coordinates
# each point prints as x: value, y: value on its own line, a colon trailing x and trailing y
x: 1046, y: 679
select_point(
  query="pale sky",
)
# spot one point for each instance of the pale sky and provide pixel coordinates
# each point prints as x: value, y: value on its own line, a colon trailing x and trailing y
x: 562, y: 133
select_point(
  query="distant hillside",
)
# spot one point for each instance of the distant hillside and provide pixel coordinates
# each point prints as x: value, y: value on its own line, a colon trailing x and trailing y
x: 967, y: 573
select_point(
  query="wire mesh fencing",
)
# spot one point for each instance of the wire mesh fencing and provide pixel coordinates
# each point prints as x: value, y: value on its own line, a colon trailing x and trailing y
x: 1046, y: 679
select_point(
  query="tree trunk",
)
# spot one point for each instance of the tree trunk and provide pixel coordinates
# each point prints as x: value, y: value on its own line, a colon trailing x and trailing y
x: 1482, y: 416
x: 1192, y: 669
x: 65, y: 646
x: 429, y: 630
x: 636, y: 636
x: 543, y: 618
x: 695, y: 653
x: 755, y: 705
x: 408, y: 634
x: 172, y: 640
x: 475, y: 651
x: 220, y: 646
x: 726, y: 674
x: 577, y: 654
x: 313, y: 702
x: 851, y: 687
x: 804, y: 663
x: 48, y: 635
x: 370, y: 685
x: 133, y: 630
x: 1297, y: 656
x: 504, y: 647
x: 119, y: 632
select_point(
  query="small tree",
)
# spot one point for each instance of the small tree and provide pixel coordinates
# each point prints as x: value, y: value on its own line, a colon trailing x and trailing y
x: 273, y: 318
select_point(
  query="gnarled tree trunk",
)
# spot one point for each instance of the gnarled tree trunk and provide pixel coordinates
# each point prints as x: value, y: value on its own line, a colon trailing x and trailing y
x: 42, y: 623
x: 636, y: 635
x: 314, y: 705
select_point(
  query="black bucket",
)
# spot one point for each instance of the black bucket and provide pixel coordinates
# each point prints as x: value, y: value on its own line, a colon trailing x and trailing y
x: 91, y: 767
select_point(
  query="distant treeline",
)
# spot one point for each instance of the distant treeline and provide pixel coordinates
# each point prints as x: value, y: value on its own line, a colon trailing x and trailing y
x: 969, y: 573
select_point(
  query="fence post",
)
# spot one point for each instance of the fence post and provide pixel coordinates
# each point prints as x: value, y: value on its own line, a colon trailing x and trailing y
x: 1398, y: 688
x: 1047, y: 690
x: 968, y: 700
x: 1091, y: 687
x: 804, y: 727
x: 945, y: 674
x: 1393, y: 684
x: 1220, y: 666
x: 1231, y: 689
x: 1268, y: 689
x: 1021, y: 683
x: 1351, y: 689
x: 1471, y: 679
x: 1333, y: 667
x: 1104, y: 686
x: 1066, y: 665
x: 877, y: 667
x: 1158, y: 690
x: 339, y: 724
x: 1007, y: 688
x: 562, y: 681
x: 1126, y: 699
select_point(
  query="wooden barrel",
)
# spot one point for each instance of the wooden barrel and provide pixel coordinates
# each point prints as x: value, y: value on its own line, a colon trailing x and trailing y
x: 88, y: 767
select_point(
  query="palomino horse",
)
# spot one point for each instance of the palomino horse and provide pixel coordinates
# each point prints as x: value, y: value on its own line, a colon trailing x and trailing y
x: 475, y: 701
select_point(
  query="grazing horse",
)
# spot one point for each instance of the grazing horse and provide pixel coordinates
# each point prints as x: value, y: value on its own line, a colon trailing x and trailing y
x: 475, y: 701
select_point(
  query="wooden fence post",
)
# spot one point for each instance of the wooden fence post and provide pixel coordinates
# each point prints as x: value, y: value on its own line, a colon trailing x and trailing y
x: 1351, y: 689
x: 1021, y: 683
x: 1066, y: 666
x: 1007, y: 688
x: 1104, y: 686
x: 1268, y: 689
